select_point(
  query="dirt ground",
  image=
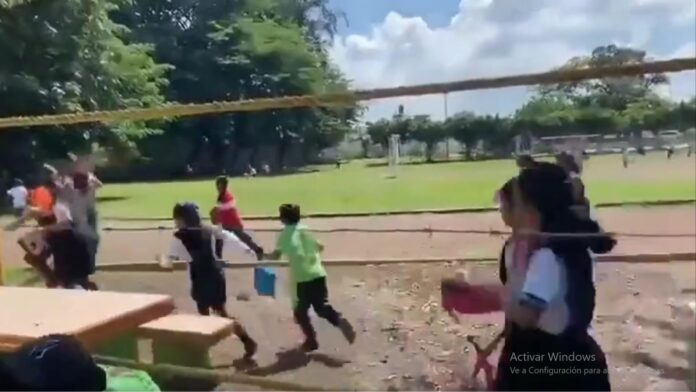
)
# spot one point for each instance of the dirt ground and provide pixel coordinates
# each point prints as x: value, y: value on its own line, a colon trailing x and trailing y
x: 405, y: 341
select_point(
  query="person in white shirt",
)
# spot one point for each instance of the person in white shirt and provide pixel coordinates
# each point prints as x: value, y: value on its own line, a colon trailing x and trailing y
x: 549, y: 300
x: 19, y: 195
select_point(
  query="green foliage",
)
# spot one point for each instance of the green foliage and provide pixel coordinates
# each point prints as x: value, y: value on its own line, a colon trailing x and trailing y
x: 229, y: 50
x: 68, y: 56
x: 84, y: 55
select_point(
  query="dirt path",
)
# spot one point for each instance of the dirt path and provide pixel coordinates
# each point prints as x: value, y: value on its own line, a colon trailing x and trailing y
x: 407, y: 343
x: 145, y: 246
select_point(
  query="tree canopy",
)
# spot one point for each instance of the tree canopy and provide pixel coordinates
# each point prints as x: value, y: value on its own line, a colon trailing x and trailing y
x: 604, y: 106
x: 83, y: 55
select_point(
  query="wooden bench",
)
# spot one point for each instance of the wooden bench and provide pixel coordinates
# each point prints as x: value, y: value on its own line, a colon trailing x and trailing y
x: 185, y: 340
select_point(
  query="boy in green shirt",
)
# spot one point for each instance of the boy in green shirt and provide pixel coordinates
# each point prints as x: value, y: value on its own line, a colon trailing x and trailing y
x: 308, y: 276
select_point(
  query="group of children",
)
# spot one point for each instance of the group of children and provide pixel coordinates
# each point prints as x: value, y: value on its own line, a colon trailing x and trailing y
x: 64, y: 209
x: 202, y: 247
x: 547, y: 293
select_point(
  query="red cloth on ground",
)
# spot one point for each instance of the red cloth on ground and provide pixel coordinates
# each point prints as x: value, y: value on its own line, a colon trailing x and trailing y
x: 471, y: 298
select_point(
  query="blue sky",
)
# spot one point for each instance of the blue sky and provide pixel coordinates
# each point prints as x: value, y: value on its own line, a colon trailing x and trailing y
x: 400, y: 42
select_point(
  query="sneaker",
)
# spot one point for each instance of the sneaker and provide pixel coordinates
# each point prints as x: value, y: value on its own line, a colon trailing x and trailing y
x: 309, y: 345
x: 347, y: 330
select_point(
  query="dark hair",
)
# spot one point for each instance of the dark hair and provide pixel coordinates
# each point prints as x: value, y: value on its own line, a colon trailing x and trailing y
x: 221, y: 180
x: 525, y: 161
x: 568, y: 162
x: 18, y: 182
x: 290, y: 214
x: 54, y: 363
x: 80, y: 180
x: 548, y: 189
x: 505, y: 192
x: 188, y: 213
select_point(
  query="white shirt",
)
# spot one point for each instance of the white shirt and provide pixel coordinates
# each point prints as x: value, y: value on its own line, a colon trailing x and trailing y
x: 177, y: 250
x: 62, y: 212
x: 19, y: 196
x: 542, y: 285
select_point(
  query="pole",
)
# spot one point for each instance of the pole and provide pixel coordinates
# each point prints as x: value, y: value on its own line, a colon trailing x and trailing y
x: 2, y: 272
x: 447, y: 139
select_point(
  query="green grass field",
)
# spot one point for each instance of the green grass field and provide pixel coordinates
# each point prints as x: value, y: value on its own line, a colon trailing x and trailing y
x: 359, y: 188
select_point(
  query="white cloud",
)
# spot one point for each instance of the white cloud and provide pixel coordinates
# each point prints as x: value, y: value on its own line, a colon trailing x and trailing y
x: 498, y: 37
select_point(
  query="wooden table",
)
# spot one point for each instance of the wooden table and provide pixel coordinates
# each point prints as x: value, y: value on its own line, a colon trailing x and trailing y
x: 94, y: 317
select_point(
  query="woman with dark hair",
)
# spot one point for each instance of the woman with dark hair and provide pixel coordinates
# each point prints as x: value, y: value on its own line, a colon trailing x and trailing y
x: 549, y: 301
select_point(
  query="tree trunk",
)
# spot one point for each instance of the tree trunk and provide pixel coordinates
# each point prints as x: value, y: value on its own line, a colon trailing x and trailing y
x: 467, y: 154
x: 429, y: 152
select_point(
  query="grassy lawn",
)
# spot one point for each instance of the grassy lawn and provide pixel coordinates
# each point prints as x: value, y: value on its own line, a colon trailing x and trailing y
x: 358, y: 188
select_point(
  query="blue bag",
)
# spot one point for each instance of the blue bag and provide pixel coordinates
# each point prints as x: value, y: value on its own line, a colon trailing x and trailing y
x: 264, y: 281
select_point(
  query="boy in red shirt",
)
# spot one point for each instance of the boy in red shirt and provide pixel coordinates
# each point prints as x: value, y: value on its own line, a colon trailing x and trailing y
x: 226, y: 214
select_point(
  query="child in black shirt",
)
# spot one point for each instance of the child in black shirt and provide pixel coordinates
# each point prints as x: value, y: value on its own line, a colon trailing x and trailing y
x: 194, y: 243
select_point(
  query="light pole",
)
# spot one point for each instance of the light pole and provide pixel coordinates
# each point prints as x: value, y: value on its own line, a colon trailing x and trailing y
x: 447, y: 139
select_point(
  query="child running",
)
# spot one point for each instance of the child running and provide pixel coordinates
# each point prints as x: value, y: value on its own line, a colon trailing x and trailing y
x: 194, y: 243
x: 226, y: 214
x: 308, y: 277
x: 62, y: 242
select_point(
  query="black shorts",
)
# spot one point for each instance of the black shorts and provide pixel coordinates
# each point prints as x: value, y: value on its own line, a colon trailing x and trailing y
x: 71, y: 257
x: 208, y: 286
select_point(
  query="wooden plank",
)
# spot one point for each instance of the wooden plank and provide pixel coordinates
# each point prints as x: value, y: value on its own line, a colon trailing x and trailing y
x: 188, y: 327
x: 91, y: 316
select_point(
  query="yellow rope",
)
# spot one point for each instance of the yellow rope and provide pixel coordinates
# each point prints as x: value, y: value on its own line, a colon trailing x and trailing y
x: 349, y: 98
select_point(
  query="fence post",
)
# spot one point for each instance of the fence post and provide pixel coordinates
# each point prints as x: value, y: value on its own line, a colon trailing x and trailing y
x: 2, y: 242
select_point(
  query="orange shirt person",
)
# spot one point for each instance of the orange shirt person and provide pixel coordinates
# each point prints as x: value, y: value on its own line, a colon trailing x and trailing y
x: 42, y: 201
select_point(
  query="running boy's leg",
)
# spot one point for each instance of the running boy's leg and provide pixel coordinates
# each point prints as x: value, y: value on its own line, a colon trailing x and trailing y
x: 203, y: 310
x: 250, y: 345
x: 320, y: 302
x: 301, y: 313
x: 246, y: 239
x: 219, y: 245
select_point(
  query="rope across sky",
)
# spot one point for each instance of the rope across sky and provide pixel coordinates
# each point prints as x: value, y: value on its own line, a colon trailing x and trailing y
x: 174, y: 110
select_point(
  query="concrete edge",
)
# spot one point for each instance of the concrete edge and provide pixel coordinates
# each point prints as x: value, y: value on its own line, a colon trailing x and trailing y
x: 620, y: 258
x: 466, y: 210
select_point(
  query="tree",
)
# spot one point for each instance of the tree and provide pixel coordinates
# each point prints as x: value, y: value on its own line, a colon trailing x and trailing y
x: 429, y: 133
x: 379, y: 132
x: 68, y: 56
x: 230, y: 50
x: 649, y: 114
x: 613, y: 93
x: 461, y: 128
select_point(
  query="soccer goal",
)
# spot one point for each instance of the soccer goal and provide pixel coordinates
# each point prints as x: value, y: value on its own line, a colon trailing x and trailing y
x: 394, y: 144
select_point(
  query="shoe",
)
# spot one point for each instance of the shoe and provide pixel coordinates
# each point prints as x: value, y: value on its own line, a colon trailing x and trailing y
x: 309, y: 345
x: 250, y: 348
x: 347, y: 330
